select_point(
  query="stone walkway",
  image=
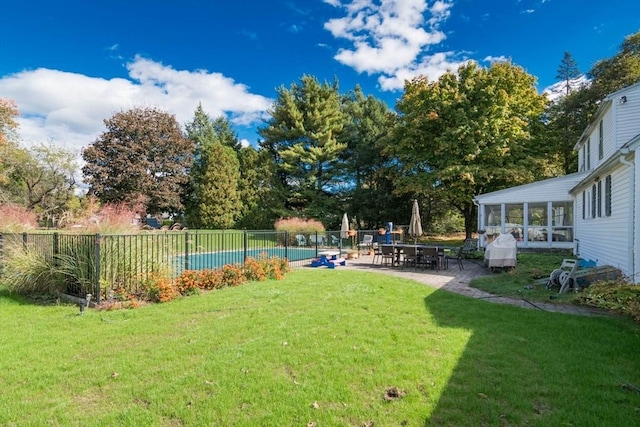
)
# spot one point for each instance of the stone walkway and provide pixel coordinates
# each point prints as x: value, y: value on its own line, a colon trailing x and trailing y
x: 455, y: 280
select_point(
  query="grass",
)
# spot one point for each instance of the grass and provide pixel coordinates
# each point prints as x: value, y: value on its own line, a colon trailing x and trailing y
x: 323, y: 347
x: 519, y: 282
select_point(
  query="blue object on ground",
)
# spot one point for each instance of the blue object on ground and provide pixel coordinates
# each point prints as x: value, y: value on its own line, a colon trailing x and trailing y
x: 586, y: 263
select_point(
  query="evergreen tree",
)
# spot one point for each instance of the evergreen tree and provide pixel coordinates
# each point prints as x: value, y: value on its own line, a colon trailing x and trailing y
x: 213, y: 200
x: 260, y: 191
x: 302, y: 138
x: 218, y: 202
x: 567, y: 71
x: 366, y: 168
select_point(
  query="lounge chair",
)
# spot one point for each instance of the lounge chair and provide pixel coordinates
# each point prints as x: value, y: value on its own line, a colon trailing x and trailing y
x: 317, y: 240
x: 367, y: 242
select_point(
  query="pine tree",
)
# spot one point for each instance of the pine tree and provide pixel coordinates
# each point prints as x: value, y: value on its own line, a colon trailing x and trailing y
x: 567, y: 71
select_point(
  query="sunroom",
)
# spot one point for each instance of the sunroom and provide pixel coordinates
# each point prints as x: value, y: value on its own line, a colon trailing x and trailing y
x: 538, y: 215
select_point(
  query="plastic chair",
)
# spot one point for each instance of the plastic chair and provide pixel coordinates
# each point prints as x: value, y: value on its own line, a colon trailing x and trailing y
x: 367, y: 241
x: 301, y: 240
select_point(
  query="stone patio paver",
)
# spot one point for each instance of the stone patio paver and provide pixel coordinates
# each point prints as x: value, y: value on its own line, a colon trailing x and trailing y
x: 457, y: 281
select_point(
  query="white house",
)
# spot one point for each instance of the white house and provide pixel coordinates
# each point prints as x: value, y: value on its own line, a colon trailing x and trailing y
x: 594, y: 212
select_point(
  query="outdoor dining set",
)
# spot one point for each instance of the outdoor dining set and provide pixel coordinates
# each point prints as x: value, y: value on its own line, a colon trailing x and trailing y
x: 417, y: 256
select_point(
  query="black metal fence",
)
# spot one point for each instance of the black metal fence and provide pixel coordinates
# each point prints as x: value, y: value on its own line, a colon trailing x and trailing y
x: 96, y: 264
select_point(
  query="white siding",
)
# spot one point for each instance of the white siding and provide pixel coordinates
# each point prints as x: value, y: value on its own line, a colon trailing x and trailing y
x: 609, y: 136
x: 627, y: 114
x: 606, y: 239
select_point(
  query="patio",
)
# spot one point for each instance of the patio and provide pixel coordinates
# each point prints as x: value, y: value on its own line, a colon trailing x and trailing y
x: 457, y: 281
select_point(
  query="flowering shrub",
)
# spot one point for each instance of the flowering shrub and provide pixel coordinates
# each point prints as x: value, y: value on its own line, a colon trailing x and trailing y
x: 275, y: 267
x: 189, y: 282
x: 254, y: 270
x: 158, y: 288
x: 192, y: 281
x: 232, y: 275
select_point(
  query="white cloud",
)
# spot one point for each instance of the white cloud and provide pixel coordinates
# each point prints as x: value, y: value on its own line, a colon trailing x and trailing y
x: 68, y: 109
x: 431, y: 67
x: 392, y: 38
x: 493, y: 59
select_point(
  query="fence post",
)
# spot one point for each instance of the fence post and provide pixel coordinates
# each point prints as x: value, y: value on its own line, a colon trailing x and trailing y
x: 24, y: 240
x: 245, y: 243
x: 186, y: 250
x: 1, y: 252
x: 96, y: 277
x: 56, y: 248
x: 286, y: 244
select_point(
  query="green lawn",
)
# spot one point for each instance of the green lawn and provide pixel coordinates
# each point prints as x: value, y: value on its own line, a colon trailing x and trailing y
x: 322, y: 347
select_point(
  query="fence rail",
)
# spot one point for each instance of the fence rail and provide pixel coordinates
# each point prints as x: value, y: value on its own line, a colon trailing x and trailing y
x: 97, y: 264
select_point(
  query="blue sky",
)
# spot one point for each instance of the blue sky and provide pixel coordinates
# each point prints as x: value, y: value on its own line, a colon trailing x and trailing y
x: 71, y: 64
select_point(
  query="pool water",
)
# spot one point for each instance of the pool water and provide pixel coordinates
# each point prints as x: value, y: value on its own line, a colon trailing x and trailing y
x: 213, y: 260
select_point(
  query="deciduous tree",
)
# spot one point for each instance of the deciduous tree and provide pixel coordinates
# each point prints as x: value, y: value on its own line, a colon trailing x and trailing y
x: 41, y: 179
x: 468, y: 133
x: 141, y: 160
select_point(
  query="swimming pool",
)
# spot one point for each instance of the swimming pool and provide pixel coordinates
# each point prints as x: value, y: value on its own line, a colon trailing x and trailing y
x: 212, y: 260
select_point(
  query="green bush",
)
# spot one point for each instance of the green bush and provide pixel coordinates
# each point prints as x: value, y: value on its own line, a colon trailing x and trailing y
x: 614, y: 295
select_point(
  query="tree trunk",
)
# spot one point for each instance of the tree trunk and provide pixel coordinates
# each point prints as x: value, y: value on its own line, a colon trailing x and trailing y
x: 470, y: 219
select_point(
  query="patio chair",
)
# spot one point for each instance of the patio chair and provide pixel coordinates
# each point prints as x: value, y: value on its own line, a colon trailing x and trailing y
x: 335, y: 240
x: 429, y: 258
x: 410, y: 256
x: 301, y: 240
x: 377, y: 253
x: 469, y: 247
x: 457, y: 254
x: 387, y: 254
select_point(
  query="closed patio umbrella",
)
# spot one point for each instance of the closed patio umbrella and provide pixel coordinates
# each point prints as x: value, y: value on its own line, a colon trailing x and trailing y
x: 415, y: 226
x: 344, y: 228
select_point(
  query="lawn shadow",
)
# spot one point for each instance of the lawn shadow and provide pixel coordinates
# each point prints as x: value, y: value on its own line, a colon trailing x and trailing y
x: 530, y: 367
x: 20, y: 299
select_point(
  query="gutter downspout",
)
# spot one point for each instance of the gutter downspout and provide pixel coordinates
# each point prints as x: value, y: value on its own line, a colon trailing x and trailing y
x: 631, y: 245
